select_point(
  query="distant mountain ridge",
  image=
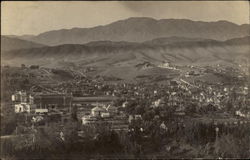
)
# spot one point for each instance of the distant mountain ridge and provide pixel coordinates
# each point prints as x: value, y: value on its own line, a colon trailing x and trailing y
x: 140, y: 29
x: 173, y: 39
x: 8, y: 43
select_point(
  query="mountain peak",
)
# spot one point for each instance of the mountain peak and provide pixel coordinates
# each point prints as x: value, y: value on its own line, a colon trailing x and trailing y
x: 141, y: 18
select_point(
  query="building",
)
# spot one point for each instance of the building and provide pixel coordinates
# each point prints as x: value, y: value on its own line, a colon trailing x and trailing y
x: 53, y: 101
x: 89, y: 100
x: 88, y: 120
x: 158, y: 102
x: 84, y: 105
x: 41, y: 111
x: 98, y: 111
x: 22, y: 97
x: 243, y: 114
x: 22, y: 107
x: 112, y: 110
x: 134, y: 117
x: 22, y: 102
x: 125, y: 104
x: 106, y: 116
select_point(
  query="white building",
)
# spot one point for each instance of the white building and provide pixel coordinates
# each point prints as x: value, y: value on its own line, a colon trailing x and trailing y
x: 22, y: 101
x: 22, y: 107
x: 125, y: 104
x: 97, y: 111
x: 105, y: 115
x: 88, y: 120
x: 156, y: 103
x: 41, y: 111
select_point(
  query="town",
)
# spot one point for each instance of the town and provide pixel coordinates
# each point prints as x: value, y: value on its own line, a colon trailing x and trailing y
x: 178, y: 111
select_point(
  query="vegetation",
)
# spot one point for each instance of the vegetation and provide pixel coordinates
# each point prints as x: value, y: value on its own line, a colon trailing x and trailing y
x: 143, y: 138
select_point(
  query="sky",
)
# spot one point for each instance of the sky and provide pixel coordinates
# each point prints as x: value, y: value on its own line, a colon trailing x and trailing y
x: 35, y: 17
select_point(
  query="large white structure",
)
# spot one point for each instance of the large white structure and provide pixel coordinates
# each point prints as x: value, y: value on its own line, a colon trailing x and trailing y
x: 22, y: 107
x: 41, y: 110
x: 100, y: 112
x: 22, y: 101
x: 97, y: 111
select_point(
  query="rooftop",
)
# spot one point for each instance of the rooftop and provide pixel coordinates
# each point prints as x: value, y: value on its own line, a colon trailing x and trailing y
x: 94, y: 99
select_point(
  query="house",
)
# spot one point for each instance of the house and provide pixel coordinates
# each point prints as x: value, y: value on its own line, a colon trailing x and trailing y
x: 37, y: 119
x: 22, y: 102
x: 97, y: 111
x: 84, y: 105
x: 88, y: 120
x: 164, y: 64
x: 138, y: 116
x: 180, y: 111
x: 22, y: 107
x: 125, y: 104
x: 105, y: 115
x: 163, y: 126
x: 112, y: 110
x: 41, y: 111
x: 243, y: 114
x: 20, y: 97
x: 134, y: 117
x: 156, y: 103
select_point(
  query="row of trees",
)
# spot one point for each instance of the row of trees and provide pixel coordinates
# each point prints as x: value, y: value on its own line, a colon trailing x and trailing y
x: 144, y: 137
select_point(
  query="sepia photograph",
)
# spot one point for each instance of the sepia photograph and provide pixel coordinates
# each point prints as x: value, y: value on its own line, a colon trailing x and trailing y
x: 125, y: 80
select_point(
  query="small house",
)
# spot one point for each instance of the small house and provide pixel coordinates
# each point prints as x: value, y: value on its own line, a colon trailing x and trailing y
x: 97, y: 111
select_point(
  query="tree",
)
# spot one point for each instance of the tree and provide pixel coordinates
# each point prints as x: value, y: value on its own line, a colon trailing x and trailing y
x: 130, y: 108
x: 227, y: 147
x: 149, y: 115
x: 139, y: 110
x: 190, y: 109
x: 8, y: 123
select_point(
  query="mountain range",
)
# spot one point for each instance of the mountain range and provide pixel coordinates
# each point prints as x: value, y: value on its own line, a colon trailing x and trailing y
x: 132, y: 48
x: 176, y: 50
x: 141, y: 29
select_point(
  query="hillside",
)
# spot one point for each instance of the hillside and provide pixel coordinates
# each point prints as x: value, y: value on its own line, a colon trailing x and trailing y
x: 143, y: 29
x: 106, y: 53
x: 173, y: 39
x: 10, y: 43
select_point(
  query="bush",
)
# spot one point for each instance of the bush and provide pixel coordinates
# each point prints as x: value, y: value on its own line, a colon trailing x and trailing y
x: 227, y: 147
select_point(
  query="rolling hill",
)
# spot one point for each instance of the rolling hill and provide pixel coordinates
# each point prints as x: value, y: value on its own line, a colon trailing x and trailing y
x: 140, y: 29
x: 173, y: 39
x: 107, y: 53
x: 11, y: 43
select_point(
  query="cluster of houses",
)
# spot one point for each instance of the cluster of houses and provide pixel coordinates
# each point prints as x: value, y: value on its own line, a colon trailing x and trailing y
x: 178, y: 92
x: 91, y: 110
x: 167, y: 65
x: 243, y: 114
x: 109, y: 115
x: 92, y: 99
x: 39, y: 104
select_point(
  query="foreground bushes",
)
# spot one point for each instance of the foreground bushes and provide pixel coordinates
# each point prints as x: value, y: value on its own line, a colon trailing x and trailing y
x: 101, y: 141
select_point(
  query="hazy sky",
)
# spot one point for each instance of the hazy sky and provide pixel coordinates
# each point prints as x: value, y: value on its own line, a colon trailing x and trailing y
x: 36, y: 17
